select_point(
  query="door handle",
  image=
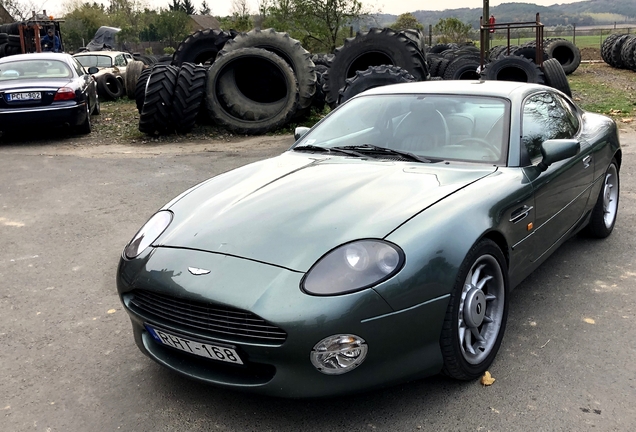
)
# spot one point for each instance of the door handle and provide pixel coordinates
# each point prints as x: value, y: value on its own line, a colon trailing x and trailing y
x: 586, y: 161
x: 520, y: 214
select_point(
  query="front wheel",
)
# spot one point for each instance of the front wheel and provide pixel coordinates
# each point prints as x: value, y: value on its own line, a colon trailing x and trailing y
x: 605, y: 210
x: 477, y: 312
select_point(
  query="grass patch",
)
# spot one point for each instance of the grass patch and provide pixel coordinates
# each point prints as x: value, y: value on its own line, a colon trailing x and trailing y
x: 600, y: 88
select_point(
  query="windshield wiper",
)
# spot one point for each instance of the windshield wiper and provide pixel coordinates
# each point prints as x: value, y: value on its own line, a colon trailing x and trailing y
x: 319, y: 149
x: 377, y: 149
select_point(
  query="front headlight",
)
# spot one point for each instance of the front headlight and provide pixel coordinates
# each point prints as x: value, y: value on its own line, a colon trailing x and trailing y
x: 155, y: 226
x: 353, y: 267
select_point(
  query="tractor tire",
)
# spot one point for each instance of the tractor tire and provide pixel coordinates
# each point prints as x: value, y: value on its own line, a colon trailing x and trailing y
x: 133, y: 70
x: 201, y: 47
x: 374, y: 76
x: 627, y: 53
x: 530, y: 53
x: 463, y: 68
x: 615, y: 54
x: 566, y: 53
x: 513, y: 68
x: 373, y: 48
x: 555, y: 76
x: 155, y: 114
x: 275, y: 81
x: 188, y: 96
x: 606, y: 48
x: 140, y: 88
x: 288, y: 49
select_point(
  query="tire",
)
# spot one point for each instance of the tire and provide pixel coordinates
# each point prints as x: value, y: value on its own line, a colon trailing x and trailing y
x: 274, y: 73
x: 605, y: 210
x: 155, y: 114
x: 555, y: 76
x: 462, y: 68
x: 201, y: 47
x: 513, y: 68
x: 374, y: 76
x: 140, y: 88
x: 606, y: 48
x: 531, y: 53
x: 443, y: 65
x: 566, y: 53
x: 97, y: 110
x: 109, y: 87
x: 188, y: 95
x: 288, y: 49
x: 433, y: 65
x: 438, y: 48
x: 86, y: 127
x: 627, y: 53
x: 373, y: 48
x: 615, y: 54
x: 319, y: 98
x: 496, y: 52
x: 322, y: 59
x: 133, y: 70
x: 484, y: 259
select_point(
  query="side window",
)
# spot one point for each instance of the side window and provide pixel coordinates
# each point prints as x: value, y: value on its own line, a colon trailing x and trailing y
x: 119, y: 60
x: 79, y: 68
x: 544, y: 118
x: 571, y: 113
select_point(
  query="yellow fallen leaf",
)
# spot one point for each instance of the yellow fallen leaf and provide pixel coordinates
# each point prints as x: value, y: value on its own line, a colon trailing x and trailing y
x: 487, y: 379
x: 111, y: 311
x: 589, y: 320
x: 627, y: 120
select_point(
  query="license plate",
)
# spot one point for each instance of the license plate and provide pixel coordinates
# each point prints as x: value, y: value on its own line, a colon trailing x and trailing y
x: 206, y: 350
x: 26, y: 96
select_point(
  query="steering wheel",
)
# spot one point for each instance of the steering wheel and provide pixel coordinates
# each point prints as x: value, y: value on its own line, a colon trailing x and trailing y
x: 492, y: 149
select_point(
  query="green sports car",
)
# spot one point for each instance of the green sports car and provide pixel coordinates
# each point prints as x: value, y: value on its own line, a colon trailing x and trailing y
x: 381, y: 247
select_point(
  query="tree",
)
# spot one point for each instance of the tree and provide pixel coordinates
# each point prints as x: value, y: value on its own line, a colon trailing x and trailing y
x: 320, y: 25
x: 172, y: 26
x: 205, y: 9
x: 240, y: 19
x: 407, y: 21
x: 19, y: 9
x: 452, y: 30
x: 81, y: 23
x: 188, y: 7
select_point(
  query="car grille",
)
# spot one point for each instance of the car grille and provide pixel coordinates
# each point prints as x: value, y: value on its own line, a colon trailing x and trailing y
x: 207, y: 318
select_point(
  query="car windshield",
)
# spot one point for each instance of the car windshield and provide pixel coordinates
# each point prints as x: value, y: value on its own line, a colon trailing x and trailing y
x: 34, y: 68
x: 435, y: 127
x: 99, y: 61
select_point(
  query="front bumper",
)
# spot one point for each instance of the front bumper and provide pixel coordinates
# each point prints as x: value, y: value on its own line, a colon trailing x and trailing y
x: 403, y: 345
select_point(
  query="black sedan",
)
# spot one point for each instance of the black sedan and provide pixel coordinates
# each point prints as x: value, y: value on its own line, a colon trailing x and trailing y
x: 46, y: 89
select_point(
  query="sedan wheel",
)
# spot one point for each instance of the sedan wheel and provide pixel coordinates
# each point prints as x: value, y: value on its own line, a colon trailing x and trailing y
x: 86, y: 127
x: 477, y: 312
x: 605, y: 211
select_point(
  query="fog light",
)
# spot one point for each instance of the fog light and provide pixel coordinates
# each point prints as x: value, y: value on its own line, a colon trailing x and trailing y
x: 339, y: 354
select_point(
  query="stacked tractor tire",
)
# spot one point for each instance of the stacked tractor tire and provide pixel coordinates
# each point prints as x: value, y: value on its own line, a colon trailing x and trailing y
x: 256, y: 82
x: 10, y: 39
x: 619, y: 51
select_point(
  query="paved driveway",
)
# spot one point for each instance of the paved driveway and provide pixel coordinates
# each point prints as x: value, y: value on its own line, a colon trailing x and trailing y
x: 68, y: 361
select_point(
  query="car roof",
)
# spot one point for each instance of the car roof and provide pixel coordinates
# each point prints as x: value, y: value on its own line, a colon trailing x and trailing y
x: 39, y: 56
x: 111, y: 54
x: 503, y: 89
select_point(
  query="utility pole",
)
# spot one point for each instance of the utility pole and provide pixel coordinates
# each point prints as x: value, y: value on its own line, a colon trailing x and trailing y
x: 485, y: 15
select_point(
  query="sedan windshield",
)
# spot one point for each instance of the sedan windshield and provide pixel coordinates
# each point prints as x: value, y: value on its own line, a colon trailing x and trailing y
x: 432, y: 127
x: 99, y: 61
x: 35, y: 68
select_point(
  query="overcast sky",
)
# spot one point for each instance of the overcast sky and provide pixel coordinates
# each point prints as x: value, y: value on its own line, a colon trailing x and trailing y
x: 224, y: 7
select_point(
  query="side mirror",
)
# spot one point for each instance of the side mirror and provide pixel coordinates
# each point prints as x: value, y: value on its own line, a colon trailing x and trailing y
x: 300, y: 132
x: 93, y: 70
x: 556, y: 150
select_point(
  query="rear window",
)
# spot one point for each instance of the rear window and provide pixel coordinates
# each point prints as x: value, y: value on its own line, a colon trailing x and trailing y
x: 95, y: 60
x: 36, y: 68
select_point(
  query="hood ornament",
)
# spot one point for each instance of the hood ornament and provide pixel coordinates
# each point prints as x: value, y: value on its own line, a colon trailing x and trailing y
x: 198, y: 271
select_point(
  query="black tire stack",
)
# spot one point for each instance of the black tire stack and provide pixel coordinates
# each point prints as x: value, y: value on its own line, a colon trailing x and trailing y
x: 169, y: 97
x: 619, y: 51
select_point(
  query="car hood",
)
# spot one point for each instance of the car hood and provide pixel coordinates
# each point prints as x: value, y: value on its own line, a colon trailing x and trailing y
x: 290, y: 210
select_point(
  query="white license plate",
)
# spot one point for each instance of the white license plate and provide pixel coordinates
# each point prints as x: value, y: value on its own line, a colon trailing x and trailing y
x: 211, y: 351
x: 24, y: 96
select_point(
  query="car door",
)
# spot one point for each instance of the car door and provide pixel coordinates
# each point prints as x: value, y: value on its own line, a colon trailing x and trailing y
x: 560, y: 192
x: 88, y: 85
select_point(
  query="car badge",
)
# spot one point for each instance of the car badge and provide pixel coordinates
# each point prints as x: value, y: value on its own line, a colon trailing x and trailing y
x: 198, y: 271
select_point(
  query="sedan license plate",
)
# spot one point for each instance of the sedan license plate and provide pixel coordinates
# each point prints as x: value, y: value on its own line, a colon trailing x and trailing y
x: 206, y: 350
x: 26, y: 96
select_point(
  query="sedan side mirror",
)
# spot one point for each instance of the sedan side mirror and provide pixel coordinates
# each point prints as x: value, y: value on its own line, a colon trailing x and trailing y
x: 300, y: 132
x: 93, y: 70
x: 556, y: 150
